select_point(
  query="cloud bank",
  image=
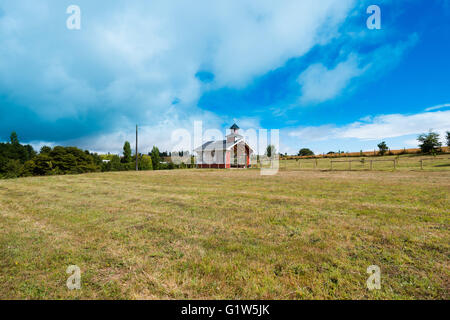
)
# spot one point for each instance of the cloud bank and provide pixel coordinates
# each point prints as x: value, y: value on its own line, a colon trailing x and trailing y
x: 136, y: 62
x: 378, y: 128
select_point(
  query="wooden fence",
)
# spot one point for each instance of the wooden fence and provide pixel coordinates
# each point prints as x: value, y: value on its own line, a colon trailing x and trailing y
x: 363, y: 162
x: 331, y: 165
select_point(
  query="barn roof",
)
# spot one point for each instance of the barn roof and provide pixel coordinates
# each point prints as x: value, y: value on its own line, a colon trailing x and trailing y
x: 217, y: 145
x: 214, y: 145
x: 234, y: 126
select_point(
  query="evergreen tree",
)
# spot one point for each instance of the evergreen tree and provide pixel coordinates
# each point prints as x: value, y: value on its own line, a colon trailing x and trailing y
x: 14, y: 138
x: 270, y: 150
x: 155, y: 158
x: 126, y: 152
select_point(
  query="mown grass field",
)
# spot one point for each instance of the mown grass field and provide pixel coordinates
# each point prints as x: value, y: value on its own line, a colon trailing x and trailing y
x: 234, y: 234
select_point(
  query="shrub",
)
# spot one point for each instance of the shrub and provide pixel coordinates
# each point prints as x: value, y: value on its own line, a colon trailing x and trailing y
x: 145, y: 162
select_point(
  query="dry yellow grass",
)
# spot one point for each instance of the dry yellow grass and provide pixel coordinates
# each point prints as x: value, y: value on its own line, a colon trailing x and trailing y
x: 226, y: 234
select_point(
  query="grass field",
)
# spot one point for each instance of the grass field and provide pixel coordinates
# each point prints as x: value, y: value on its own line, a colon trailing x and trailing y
x: 226, y: 234
x: 407, y: 162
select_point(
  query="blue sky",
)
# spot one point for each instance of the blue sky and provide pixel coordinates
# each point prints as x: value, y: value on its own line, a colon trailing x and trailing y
x: 311, y: 69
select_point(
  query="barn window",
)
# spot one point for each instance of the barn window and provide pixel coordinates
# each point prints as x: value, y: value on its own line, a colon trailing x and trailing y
x: 213, y: 153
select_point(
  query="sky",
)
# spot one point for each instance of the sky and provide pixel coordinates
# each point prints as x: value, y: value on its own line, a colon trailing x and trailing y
x: 311, y: 69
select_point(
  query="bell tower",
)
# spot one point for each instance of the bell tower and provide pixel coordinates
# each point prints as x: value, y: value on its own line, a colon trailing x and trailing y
x: 234, y: 134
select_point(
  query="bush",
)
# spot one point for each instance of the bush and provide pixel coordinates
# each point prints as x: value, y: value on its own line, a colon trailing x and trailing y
x: 145, y: 162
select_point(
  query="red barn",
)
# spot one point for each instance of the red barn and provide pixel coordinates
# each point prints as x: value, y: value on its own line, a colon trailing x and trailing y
x: 233, y: 152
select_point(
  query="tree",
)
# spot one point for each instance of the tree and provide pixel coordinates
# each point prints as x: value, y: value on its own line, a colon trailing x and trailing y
x: 305, y: 152
x: 382, y: 146
x: 270, y: 150
x: 28, y: 168
x: 429, y: 143
x: 155, y: 158
x: 42, y: 165
x: 145, y: 162
x: 45, y: 149
x: 14, y: 138
x: 448, y: 138
x: 114, y: 164
x: 13, y: 169
x: 126, y: 152
x: 15, y: 151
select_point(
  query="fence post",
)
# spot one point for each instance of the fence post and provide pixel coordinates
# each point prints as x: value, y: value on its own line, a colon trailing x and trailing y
x: 315, y: 164
x: 350, y: 165
x: 371, y: 165
x: 421, y: 164
x: 395, y: 164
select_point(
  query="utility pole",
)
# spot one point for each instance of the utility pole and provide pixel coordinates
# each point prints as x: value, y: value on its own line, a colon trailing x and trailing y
x: 137, y: 154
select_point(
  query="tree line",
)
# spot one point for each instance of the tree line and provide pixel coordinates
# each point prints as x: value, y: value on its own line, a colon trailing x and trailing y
x: 17, y: 160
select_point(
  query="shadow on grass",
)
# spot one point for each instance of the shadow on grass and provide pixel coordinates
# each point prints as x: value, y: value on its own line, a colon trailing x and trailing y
x: 442, y: 165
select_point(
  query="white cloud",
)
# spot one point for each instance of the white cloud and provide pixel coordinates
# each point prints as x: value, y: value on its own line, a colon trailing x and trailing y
x: 157, y: 134
x: 411, y: 143
x: 379, y: 127
x: 440, y: 106
x: 37, y: 145
x: 320, y: 83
